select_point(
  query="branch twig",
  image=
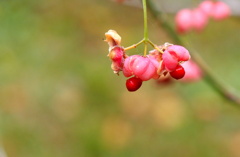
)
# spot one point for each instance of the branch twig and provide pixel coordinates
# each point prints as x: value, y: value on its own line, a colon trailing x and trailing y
x: 216, y: 84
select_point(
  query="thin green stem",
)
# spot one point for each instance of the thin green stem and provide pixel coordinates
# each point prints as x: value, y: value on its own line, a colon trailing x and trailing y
x: 144, y: 3
x: 134, y: 45
x: 213, y: 81
x: 145, y: 48
x: 145, y: 40
x: 155, y: 46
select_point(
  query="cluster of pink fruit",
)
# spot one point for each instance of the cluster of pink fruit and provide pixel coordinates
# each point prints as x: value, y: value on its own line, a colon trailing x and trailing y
x: 166, y: 60
x: 197, y: 19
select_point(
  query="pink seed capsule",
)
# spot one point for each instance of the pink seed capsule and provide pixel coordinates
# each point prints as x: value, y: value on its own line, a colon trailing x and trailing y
x: 144, y: 68
x: 116, y: 55
x: 173, y: 55
x: 127, y: 67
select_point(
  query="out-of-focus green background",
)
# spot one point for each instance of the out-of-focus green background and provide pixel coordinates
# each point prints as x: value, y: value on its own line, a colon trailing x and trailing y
x: 59, y: 96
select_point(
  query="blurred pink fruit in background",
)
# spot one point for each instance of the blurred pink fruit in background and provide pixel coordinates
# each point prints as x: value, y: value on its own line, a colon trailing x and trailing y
x: 221, y: 11
x: 192, y: 72
x: 183, y: 20
x: 199, y: 19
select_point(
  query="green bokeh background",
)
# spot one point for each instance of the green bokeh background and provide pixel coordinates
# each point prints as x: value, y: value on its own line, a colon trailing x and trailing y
x: 59, y: 96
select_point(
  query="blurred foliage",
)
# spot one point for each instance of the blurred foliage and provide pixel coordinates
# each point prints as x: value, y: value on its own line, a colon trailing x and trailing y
x: 59, y: 96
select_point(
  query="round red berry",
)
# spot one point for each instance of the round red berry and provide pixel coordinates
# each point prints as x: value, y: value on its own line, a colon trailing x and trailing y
x: 178, y: 73
x: 133, y: 84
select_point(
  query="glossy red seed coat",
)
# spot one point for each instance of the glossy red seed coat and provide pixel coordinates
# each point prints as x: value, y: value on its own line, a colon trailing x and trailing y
x: 133, y: 84
x: 178, y: 73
